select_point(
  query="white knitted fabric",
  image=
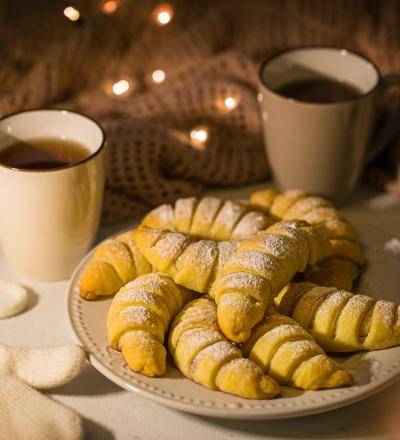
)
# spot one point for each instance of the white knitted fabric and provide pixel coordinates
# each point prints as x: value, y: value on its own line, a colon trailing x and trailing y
x: 13, y: 299
x: 24, y: 412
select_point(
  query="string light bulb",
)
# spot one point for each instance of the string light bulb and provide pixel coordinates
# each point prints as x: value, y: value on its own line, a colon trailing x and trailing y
x: 121, y: 87
x: 163, y: 14
x: 199, y: 135
x: 230, y: 102
x: 158, y: 76
x: 71, y: 13
x: 110, y: 6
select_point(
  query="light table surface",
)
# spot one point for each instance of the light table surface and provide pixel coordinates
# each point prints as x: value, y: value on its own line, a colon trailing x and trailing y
x: 110, y: 412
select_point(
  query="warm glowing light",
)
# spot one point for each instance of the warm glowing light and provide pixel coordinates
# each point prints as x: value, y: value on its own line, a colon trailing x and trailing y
x: 164, y: 17
x: 199, y: 134
x: 110, y: 6
x: 71, y: 13
x: 163, y: 14
x: 121, y: 87
x: 227, y: 103
x: 230, y: 102
x: 158, y: 76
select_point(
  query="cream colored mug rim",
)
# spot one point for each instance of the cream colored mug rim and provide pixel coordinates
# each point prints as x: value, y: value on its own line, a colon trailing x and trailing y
x: 52, y: 170
x: 338, y: 48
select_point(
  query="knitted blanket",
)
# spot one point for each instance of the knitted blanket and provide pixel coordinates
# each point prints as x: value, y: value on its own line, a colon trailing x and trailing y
x: 185, y: 114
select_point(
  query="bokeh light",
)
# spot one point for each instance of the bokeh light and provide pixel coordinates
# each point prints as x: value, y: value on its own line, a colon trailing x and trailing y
x: 109, y: 7
x: 71, y: 13
x: 163, y: 14
x: 121, y: 87
x: 158, y: 76
x: 230, y: 102
x: 199, y: 134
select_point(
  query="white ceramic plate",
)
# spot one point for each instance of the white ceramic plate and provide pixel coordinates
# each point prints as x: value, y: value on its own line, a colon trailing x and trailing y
x: 372, y: 371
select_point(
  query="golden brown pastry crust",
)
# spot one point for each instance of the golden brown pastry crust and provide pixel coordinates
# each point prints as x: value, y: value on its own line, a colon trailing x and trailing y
x: 204, y: 354
x: 290, y: 355
x: 341, y: 321
x: 209, y: 218
x: 114, y: 263
x: 139, y: 317
x: 259, y: 269
x: 191, y: 262
x: 342, y: 266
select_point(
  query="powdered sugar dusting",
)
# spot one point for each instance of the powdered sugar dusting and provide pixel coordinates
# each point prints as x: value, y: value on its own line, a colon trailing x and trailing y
x: 150, y: 284
x: 225, y: 251
x: 206, y: 318
x: 137, y: 315
x: 240, y: 280
x: 284, y: 331
x: 357, y: 305
x: 320, y: 215
x: 228, y: 216
x: 160, y: 217
x: 114, y: 250
x: 252, y: 261
x: 183, y: 212
x: 397, y: 320
x: 240, y: 302
x: 244, y: 365
x: 250, y: 224
x: 206, y: 252
x: 205, y: 212
x: 136, y: 295
x: 216, y: 353
x: 200, y: 253
x: 276, y: 245
x: 140, y: 338
x: 200, y: 337
x: 284, y: 201
x: 306, y: 205
x: 170, y: 244
x: 286, y: 225
x: 332, y: 303
x: 299, y: 348
x: 386, y: 312
x: 207, y: 343
x: 152, y: 280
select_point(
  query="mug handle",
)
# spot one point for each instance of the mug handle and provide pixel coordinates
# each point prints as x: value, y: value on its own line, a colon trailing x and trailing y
x: 392, y: 127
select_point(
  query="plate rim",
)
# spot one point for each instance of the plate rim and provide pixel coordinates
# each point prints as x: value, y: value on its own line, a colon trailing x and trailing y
x: 338, y: 397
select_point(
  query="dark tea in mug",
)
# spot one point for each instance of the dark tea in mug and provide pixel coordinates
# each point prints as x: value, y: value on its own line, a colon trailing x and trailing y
x: 320, y: 90
x: 42, y: 153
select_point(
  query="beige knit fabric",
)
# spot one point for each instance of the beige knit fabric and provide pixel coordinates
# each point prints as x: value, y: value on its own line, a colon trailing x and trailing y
x: 13, y: 299
x: 24, y: 412
x: 210, y: 50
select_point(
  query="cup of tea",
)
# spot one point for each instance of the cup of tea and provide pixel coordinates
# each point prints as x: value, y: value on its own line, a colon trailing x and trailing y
x: 52, y: 177
x: 318, y: 106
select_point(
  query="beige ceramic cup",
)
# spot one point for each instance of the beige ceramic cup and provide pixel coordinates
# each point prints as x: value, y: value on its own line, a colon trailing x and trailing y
x: 49, y: 218
x: 321, y: 148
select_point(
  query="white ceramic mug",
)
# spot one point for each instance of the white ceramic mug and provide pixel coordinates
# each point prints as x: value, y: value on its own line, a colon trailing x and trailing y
x: 49, y: 218
x: 321, y: 147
